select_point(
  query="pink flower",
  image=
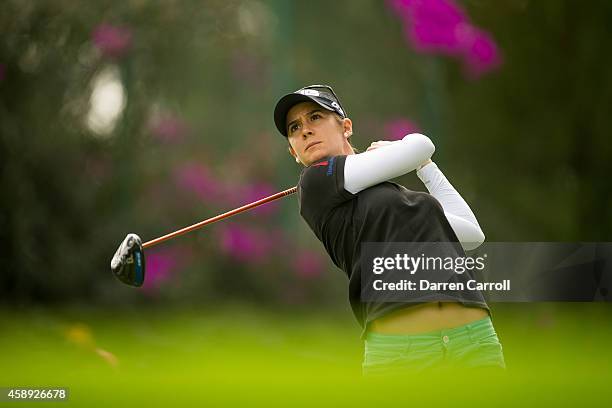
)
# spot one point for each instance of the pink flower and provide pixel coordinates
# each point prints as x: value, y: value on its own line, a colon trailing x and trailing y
x: 245, y: 244
x: 396, y: 129
x: 441, y: 27
x: 168, y: 128
x: 197, y: 179
x: 482, y: 54
x: 308, y: 264
x: 433, y: 23
x: 257, y: 191
x: 162, y: 264
x: 112, y: 41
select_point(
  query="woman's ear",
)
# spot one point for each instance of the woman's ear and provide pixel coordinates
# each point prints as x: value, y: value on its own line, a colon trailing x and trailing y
x: 347, y: 125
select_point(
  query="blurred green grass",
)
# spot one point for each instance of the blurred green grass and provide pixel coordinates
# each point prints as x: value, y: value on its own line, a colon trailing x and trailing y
x: 557, y: 354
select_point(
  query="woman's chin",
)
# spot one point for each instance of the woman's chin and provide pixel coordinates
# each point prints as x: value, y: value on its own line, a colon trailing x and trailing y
x: 316, y: 154
x: 313, y: 159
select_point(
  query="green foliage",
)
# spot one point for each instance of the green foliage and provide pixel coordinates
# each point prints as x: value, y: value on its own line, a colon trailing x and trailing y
x: 526, y: 145
x: 555, y: 356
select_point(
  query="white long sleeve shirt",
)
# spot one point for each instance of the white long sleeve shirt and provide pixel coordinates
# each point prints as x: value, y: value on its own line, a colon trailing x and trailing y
x: 369, y: 168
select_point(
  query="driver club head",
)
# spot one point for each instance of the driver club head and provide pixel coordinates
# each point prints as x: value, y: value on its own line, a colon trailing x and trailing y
x: 128, y: 263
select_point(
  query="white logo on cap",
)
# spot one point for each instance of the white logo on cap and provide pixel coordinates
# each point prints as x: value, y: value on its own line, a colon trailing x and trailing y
x: 311, y: 92
x: 337, y: 106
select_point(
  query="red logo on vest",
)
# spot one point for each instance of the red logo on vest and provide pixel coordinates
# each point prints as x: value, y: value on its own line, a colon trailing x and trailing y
x: 323, y: 163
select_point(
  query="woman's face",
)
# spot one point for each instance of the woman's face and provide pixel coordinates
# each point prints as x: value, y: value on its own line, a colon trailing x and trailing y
x: 314, y: 132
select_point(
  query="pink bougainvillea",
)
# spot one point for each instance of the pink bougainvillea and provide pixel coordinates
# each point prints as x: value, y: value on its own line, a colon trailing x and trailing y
x: 441, y: 27
x: 396, y: 129
x: 168, y: 128
x: 256, y: 191
x: 245, y: 243
x: 112, y: 41
x: 198, y: 179
x: 308, y: 264
x: 162, y: 265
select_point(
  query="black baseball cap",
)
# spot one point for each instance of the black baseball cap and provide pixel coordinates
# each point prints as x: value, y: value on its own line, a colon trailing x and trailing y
x: 323, y: 95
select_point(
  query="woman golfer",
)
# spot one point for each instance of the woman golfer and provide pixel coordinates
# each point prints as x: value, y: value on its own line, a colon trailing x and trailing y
x: 346, y: 199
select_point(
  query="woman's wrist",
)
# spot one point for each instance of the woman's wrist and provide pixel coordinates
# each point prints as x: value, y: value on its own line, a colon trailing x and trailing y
x: 424, y: 164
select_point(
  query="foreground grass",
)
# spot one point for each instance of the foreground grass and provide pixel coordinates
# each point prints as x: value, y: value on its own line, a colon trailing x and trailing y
x: 556, y: 355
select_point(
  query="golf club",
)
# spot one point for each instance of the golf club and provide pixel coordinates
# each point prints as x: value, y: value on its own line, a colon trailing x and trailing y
x: 128, y: 263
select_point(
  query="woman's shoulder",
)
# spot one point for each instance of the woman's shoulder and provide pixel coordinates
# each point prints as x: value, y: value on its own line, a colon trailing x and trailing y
x: 326, y: 166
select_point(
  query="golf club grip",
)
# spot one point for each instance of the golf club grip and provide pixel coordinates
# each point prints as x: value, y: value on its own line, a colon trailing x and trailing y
x: 219, y: 217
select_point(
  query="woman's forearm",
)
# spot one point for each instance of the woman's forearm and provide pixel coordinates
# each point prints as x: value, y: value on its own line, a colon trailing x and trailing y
x: 414, y: 151
x: 369, y: 168
x: 457, y: 211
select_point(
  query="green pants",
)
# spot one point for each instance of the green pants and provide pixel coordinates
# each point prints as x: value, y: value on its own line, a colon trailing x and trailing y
x: 473, y: 345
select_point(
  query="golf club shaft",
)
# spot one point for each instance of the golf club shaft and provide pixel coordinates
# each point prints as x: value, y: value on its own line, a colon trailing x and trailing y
x: 219, y: 217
